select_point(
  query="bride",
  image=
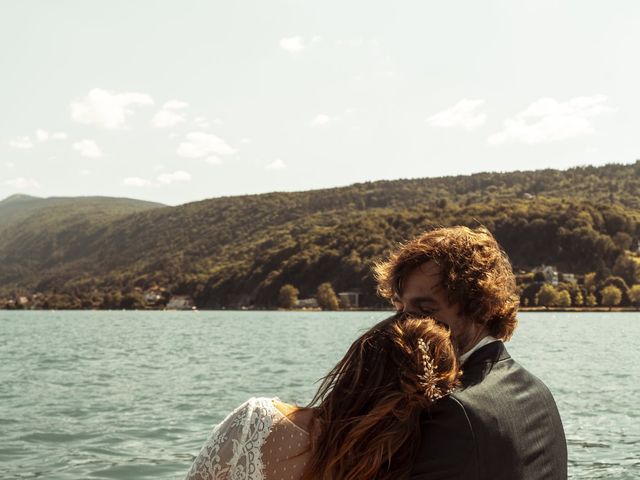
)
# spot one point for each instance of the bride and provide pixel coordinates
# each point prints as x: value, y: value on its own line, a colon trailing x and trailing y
x: 363, y: 422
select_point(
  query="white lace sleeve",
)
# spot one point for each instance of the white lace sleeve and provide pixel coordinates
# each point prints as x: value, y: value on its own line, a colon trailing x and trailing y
x: 233, y: 450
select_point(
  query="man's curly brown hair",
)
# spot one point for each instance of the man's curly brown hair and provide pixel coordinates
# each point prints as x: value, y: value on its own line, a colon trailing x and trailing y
x: 476, y: 274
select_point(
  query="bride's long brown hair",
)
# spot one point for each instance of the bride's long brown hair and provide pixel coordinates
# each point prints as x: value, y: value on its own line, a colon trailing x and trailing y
x: 367, y: 410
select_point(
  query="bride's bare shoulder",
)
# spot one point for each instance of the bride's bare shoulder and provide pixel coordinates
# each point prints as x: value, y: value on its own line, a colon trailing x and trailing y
x: 299, y: 416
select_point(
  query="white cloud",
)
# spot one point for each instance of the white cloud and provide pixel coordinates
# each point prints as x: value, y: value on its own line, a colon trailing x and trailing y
x: 22, y: 143
x: 25, y: 142
x: 320, y: 120
x: 175, y: 105
x: 201, y: 122
x: 463, y: 114
x: 201, y: 144
x: 9, y: 164
x: 136, y: 182
x: 245, y: 141
x: 107, y: 109
x: 87, y: 148
x: 43, y: 135
x: 548, y: 120
x: 22, y: 183
x: 277, y: 164
x: 167, y: 118
x: 162, y: 179
x: 213, y: 160
x: 177, y: 176
x: 292, y: 44
x: 85, y: 172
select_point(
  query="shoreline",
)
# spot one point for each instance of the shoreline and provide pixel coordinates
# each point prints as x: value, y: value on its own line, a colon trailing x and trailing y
x: 314, y: 310
x: 579, y: 309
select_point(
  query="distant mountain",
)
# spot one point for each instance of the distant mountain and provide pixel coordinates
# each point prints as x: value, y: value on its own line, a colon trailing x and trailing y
x: 18, y: 198
x: 237, y: 251
x: 19, y: 207
x: 33, y: 230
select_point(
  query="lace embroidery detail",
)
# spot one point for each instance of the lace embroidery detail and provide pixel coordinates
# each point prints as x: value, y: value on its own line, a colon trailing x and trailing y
x: 233, y: 451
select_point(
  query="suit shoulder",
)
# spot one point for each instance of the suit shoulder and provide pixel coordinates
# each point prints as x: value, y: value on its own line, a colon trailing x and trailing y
x: 447, y: 448
x: 502, y: 375
x: 512, y: 413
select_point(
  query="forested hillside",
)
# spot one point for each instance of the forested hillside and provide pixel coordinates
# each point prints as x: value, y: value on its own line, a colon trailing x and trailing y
x: 239, y: 251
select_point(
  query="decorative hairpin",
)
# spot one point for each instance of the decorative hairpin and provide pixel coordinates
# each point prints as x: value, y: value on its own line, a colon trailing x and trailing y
x: 427, y: 380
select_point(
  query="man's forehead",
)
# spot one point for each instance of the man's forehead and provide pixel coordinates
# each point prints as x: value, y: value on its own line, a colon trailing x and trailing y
x: 423, y: 281
x: 430, y: 269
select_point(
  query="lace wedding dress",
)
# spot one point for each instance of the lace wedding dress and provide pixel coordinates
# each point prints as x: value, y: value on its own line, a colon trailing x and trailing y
x: 255, y: 442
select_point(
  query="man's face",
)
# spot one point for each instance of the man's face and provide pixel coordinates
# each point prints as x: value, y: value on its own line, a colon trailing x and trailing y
x: 423, y: 295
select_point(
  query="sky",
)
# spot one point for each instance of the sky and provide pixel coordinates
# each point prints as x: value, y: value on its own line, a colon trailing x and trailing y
x: 178, y: 101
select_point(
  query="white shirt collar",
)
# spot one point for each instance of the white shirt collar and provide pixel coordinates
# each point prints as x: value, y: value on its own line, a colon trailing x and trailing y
x: 485, y: 341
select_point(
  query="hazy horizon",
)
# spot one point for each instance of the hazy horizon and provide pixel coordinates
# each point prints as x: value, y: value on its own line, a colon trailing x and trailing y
x: 33, y: 195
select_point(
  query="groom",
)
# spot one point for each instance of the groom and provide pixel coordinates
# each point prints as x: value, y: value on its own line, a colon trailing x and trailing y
x: 503, y: 423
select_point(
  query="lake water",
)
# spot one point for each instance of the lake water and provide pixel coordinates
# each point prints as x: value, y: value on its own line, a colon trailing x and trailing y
x: 133, y: 395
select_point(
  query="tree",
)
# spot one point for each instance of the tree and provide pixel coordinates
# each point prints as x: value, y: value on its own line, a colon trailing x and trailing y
x: 528, y: 295
x: 539, y: 277
x: 578, y: 300
x: 634, y: 295
x: 547, y: 296
x: 591, y: 300
x: 326, y: 297
x: 623, y: 240
x: 626, y: 268
x: 288, y: 296
x: 563, y: 299
x: 621, y: 285
x: 441, y: 203
x: 611, y: 296
x: 344, y: 303
x: 132, y: 301
x: 590, y: 281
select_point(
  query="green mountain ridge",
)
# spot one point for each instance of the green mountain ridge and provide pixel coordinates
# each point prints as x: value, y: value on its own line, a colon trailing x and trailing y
x: 19, y: 207
x: 239, y: 251
x: 17, y: 197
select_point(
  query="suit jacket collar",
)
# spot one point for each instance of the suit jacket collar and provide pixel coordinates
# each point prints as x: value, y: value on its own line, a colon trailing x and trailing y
x: 480, y: 363
x: 493, y: 352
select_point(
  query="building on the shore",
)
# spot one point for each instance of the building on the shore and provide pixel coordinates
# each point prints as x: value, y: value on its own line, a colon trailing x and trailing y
x: 307, y: 303
x: 568, y: 277
x: 349, y: 299
x: 180, y: 302
x: 152, y: 296
x: 550, y: 274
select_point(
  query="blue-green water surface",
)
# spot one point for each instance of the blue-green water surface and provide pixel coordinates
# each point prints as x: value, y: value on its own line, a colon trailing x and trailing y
x: 133, y: 395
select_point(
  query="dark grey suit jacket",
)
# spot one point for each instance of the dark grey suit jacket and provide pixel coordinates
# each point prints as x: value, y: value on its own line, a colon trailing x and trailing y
x: 502, y: 424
